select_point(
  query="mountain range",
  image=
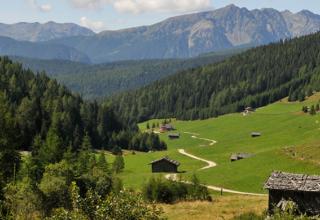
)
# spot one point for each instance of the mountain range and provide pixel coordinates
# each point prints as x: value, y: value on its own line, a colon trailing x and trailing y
x: 178, y: 37
x: 42, y: 32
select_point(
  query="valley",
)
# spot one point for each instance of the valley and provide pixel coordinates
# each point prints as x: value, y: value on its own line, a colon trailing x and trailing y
x: 156, y: 110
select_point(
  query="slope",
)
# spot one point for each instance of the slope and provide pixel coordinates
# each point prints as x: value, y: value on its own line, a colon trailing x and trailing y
x: 35, y: 32
x: 11, y: 47
x: 283, y: 127
x: 254, y: 78
x: 101, y: 80
x: 194, y: 34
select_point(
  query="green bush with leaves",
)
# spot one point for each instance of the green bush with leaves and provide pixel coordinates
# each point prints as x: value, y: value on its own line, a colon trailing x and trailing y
x: 167, y: 191
x: 124, y: 205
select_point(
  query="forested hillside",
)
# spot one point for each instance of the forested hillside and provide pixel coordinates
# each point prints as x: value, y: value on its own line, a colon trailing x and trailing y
x: 42, y: 108
x: 102, y: 80
x: 61, y: 176
x: 254, y: 78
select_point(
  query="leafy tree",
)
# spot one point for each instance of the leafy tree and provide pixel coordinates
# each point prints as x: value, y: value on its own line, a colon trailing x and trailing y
x: 54, y: 185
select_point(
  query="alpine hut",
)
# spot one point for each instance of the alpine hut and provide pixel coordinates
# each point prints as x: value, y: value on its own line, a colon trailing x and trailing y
x: 301, y: 189
x: 164, y: 165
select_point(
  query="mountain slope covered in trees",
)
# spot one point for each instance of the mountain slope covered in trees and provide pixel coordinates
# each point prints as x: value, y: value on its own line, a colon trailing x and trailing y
x: 254, y: 78
x: 44, y: 109
x: 102, y: 80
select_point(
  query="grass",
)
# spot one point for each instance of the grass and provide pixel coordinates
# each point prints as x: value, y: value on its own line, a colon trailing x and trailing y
x: 282, y: 124
x: 223, y: 207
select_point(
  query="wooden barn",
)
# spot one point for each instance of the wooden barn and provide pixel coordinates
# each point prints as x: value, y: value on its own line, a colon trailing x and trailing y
x: 166, y: 127
x: 240, y: 156
x: 303, y: 190
x: 174, y: 136
x: 164, y: 165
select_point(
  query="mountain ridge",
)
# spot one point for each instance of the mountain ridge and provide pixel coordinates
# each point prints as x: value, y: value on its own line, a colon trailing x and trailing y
x: 189, y: 35
x: 35, y: 31
x: 40, y: 50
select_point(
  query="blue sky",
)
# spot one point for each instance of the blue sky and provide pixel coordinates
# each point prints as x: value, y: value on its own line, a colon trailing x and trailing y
x: 118, y: 14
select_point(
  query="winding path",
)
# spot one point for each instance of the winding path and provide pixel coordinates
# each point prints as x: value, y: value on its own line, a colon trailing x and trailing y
x: 210, y: 164
x: 194, y: 135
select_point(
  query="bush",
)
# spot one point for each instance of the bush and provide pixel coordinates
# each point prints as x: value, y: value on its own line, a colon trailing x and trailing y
x: 167, y: 191
x: 124, y: 205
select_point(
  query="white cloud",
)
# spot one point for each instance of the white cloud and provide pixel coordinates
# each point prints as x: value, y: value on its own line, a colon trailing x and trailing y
x: 93, y: 25
x: 45, y: 7
x: 37, y: 6
x: 90, y: 4
x: 142, y: 6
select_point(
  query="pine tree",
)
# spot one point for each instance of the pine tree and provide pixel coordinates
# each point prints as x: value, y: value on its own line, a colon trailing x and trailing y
x: 102, y: 162
x: 312, y: 110
x: 52, y: 150
x: 118, y: 164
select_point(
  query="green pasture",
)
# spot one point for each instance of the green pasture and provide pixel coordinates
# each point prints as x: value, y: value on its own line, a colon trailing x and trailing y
x: 282, y: 125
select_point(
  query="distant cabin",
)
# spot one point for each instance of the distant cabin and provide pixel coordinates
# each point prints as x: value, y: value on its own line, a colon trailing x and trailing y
x: 255, y: 134
x: 166, y: 127
x: 303, y: 190
x: 174, y: 136
x: 164, y: 165
x: 248, y: 110
x: 240, y: 156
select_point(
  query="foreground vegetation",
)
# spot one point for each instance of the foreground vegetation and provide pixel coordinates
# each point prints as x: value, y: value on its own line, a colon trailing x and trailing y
x: 224, y: 207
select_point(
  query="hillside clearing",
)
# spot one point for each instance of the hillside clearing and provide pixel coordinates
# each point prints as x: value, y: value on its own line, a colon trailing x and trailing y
x: 281, y: 124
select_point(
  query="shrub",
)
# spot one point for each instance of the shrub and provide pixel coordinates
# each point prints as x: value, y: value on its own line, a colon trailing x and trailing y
x: 167, y: 191
x: 124, y: 205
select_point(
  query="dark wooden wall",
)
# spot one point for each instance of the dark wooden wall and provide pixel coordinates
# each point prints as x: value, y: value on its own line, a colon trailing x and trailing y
x: 164, y: 166
x: 308, y: 202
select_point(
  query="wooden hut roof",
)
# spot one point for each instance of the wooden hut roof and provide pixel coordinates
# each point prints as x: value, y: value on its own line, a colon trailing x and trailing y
x: 167, y: 159
x: 293, y: 182
x: 256, y: 133
x: 174, y: 135
x: 237, y: 156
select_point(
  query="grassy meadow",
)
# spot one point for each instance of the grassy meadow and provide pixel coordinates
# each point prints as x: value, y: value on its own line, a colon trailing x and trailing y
x: 290, y: 141
x: 284, y: 129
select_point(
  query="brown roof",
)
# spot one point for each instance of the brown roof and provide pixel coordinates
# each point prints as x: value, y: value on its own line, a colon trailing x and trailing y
x: 167, y: 159
x: 293, y: 182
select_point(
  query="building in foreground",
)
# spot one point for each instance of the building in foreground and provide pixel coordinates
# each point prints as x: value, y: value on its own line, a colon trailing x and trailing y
x: 303, y: 190
x: 164, y: 165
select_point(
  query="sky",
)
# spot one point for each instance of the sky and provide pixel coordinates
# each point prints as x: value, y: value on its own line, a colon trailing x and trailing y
x: 101, y: 15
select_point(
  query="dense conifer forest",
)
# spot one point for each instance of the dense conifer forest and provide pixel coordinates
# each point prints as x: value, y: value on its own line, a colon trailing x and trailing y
x: 48, y: 138
x: 254, y: 78
x: 43, y: 108
x: 102, y: 80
